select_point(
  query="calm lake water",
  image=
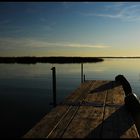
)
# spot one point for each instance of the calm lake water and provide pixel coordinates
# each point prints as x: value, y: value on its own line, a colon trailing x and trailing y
x: 26, y: 90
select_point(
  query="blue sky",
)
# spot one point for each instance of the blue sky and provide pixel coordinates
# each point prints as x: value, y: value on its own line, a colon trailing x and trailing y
x: 70, y: 29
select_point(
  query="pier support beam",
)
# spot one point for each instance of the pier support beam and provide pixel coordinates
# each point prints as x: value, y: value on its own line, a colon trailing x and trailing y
x: 81, y: 72
x: 54, y: 85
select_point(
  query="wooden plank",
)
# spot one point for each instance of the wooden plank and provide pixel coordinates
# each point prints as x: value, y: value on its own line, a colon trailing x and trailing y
x: 94, y: 110
x: 88, y: 117
x: 60, y: 130
x: 79, y: 91
x: 53, y: 118
x: 115, y: 94
x: 43, y: 128
x: 117, y: 122
x: 95, y: 94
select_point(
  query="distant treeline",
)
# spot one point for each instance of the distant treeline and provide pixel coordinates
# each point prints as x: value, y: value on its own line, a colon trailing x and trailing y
x: 34, y: 60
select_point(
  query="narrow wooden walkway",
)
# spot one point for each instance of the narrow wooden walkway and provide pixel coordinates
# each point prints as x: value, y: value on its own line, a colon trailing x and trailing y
x: 94, y: 110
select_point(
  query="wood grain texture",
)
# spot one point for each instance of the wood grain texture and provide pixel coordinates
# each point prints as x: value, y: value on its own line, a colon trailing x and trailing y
x: 117, y: 122
x: 94, y: 110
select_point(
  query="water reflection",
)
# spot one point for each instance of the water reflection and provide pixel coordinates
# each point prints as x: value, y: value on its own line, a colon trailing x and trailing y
x: 26, y: 90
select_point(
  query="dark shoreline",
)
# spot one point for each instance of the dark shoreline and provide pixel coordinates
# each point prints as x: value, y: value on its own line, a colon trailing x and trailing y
x: 60, y: 60
x: 56, y: 59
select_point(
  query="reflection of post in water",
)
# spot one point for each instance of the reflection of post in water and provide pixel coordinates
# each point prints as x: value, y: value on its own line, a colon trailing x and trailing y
x: 54, y: 85
x: 81, y: 72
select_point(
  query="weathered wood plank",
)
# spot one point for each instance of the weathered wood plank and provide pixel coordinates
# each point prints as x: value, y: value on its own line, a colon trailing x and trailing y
x: 88, y: 117
x: 94, y: 110
x: 53, y: 118
x: 60, y: 130
x: 117, y: 122
x: 96, y: 94
x: 83, y: 88
x: 115, y: 94
x: 43, y: 128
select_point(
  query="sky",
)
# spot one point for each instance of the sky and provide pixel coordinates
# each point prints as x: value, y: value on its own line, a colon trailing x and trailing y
x: 70, y: 29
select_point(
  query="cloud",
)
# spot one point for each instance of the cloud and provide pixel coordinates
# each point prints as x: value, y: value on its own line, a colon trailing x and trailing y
x: 123, y: 11
x: 31, y: 44
x: 76, y: 45
x: 105, y: 15
x: 70, y: 45
x: 131, y: 12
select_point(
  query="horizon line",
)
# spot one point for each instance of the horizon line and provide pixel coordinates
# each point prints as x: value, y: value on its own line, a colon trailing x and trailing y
x: 81, y: 56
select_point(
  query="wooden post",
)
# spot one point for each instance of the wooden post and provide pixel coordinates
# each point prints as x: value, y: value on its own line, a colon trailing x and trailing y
x: 54, y: 85
x: 81, y: 72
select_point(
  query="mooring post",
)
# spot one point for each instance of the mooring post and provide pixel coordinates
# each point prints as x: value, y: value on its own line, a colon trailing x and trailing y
x: 54, y: 85
x: 81, y: 72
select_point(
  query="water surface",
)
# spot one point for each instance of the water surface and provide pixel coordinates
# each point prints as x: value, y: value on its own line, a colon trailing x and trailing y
x: 26, y: 90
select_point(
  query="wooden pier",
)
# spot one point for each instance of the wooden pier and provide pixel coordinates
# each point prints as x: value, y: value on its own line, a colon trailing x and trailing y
x: 96, y: 109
